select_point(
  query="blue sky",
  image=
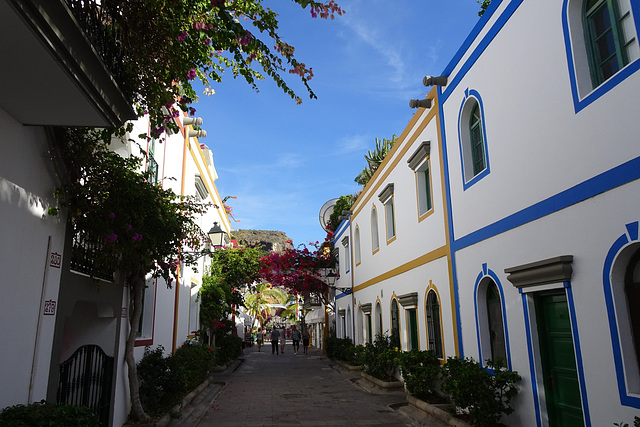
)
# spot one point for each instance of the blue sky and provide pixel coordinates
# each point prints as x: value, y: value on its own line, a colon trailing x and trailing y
x: 284, y: 161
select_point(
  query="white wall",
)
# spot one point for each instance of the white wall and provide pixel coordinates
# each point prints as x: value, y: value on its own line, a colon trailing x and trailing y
x: 26, y: 192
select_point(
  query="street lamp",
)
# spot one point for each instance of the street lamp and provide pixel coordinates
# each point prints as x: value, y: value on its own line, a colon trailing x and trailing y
x: 218, y: 236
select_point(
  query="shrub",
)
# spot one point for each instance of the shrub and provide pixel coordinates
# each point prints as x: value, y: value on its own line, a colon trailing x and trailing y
x: 161, y: 382
x: 194, y: 363
x: 356, y: 354
x: 47, y: 414
x: 331, y: 347
x: 421, y: 371
x: 230, y: 348
x: 487, y: 395
x: 380, y: 358
x: 339, y: 348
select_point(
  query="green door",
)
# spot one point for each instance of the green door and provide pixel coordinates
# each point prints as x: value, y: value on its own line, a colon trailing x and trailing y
x: 562, y: 390
x: 413, y: 329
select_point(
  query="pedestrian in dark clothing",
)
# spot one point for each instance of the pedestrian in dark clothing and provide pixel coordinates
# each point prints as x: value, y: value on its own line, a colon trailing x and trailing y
x: 295, y: 337
x: 305, y: 340
x: 274, y: 341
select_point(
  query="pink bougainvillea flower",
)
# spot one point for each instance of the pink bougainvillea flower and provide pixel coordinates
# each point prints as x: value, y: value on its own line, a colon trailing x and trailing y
x: 182, y: 36
x: 191, y: 74
x: 111, y: 238
x: 112, y: 215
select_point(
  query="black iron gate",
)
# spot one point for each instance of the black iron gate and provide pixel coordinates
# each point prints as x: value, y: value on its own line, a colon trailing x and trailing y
x: 85, y: 379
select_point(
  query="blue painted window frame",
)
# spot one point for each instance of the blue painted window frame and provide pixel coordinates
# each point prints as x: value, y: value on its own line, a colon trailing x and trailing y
x: 629, y: 238
x: 471, y: 95
x: 488, y: 273
x: 581, y: 103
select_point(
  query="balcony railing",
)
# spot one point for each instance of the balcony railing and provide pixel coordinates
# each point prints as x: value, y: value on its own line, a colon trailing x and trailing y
x: 95, y: 17
x: 83, y: 258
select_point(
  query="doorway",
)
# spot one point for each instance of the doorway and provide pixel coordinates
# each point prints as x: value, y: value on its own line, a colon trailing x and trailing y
x: 560, y: 376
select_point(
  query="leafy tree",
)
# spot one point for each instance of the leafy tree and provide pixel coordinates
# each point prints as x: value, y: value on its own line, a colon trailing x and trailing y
x: 343, y: 203
x: 231, y: 269
x: 484, y: 4
x: 138, y: 228
x: 375, y: 158
x: 300, y: 271
x: 261, y: 298
x: 167, y: 44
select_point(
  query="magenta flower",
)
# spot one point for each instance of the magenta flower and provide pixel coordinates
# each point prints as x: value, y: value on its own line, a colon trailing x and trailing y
x: 129, y: 227
x: 192, y: 111
x: 191, y: 74
x: 112, y: 215
x: 217, y: 3
x: 158, y: 131
x: 182, y: 36
x: 111, y: 238
x: 136, y: 237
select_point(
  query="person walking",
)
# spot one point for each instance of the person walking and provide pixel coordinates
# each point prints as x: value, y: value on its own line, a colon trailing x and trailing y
x: 259, y: 338
x: 295, y: 337
x: 283, y: 338
x: 275, y: 334
x: 305, y: 340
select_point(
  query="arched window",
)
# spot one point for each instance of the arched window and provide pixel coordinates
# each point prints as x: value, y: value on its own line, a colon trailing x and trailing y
x: 472, y: 135
x: 357, y: 245
x: 375, y: 241
x: 434, y: 332
x: 604, y: 38
x: 495, y: 324
x: 395, y: 322
x: 621, y: 285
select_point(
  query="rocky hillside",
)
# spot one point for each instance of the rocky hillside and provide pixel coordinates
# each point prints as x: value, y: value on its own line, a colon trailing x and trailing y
x: 268, y: 240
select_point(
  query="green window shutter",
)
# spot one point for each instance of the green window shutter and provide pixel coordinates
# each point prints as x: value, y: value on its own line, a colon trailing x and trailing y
x: 603, y: 36
x: 427, y: 189
x: 477, y: 143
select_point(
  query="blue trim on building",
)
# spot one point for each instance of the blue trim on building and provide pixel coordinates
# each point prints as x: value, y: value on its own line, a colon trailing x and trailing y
x: 578, y: 351
x: 532, y: 365
x: 487, y: 272
x: 342, y: 228
x: 484, y: 43
x: 628, y: 70
x: 621, y: 242
x: 615, y: 177
x: 447, y: 190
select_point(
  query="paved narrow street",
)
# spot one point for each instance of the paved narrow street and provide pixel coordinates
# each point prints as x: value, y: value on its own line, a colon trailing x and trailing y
x: 301, y: 390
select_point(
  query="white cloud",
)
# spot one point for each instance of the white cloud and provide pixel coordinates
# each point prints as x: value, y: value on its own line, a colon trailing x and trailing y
x: 353, y: 143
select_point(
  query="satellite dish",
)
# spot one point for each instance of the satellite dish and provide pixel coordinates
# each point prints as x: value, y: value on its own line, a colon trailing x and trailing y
x: 325, y: 212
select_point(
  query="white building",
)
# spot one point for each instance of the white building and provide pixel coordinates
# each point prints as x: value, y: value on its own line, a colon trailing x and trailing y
x: 542, y: 170
x: 75, y: 90
x: 533, y: 244
x: 395, y: 247
x: 49, y: 310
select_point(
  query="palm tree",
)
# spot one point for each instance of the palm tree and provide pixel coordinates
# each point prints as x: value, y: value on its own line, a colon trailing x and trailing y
x: 263, y: 300
x: 375, y: 158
